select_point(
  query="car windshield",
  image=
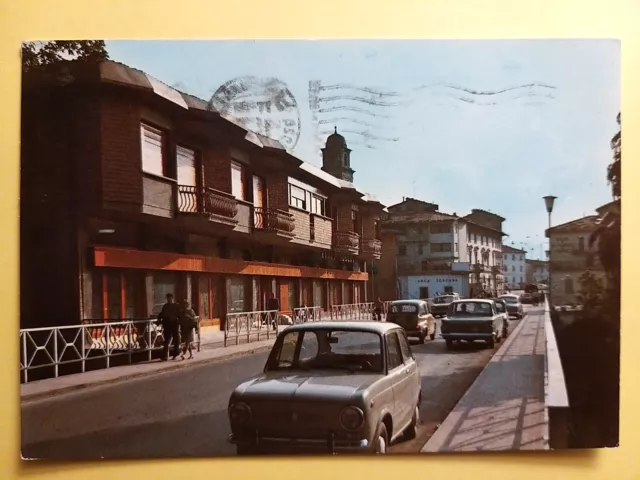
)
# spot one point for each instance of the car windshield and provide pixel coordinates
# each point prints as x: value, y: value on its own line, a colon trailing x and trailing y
x: 443, y: 299
x: 481, y: 309
x: 510, y: 299
x: 322, y: 349
x: 403, y: 308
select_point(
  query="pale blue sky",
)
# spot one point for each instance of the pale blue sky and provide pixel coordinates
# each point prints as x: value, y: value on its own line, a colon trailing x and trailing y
x: 501, y: 152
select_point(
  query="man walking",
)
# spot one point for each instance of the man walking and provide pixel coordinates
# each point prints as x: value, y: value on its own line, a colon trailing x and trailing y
x: 170, y: 317
x: 273, y: 304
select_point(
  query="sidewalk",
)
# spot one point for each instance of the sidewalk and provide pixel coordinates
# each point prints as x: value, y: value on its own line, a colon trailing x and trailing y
x: 504, y: 408
x: 211, y: 350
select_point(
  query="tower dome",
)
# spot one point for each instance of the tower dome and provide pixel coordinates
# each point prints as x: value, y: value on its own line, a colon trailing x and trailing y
x: 335, y: 140
x: 336, y: 157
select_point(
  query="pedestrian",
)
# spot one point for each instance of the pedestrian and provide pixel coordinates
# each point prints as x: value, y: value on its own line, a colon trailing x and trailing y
x: 377, y: 310
x: 187, y: 328
x: 169, y: 317
x: 273, y: 304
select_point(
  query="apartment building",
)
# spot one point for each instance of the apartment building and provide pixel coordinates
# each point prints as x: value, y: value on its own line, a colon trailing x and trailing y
x: 131, y: 190
x: 439, y: 252
x: 514, y: 266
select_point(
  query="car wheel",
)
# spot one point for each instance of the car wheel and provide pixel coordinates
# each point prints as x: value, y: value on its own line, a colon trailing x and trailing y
x: 492, y: 342
x: 380, y: 442
x: 412, y: 429
x: 433, y: 336
x: 449, y: 344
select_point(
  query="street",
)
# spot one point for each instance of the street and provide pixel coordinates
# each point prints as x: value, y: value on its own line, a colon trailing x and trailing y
x: 183, y: 413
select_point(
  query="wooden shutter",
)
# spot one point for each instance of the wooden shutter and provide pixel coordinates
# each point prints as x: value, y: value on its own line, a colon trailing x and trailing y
x: 152, y: 150
x: 186, y: 160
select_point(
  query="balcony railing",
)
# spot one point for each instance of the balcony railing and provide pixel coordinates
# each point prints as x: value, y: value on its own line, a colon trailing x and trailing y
x: 346, y: 242
x: 371, y: 247
x: 275, y: 221
x: 207, y: 202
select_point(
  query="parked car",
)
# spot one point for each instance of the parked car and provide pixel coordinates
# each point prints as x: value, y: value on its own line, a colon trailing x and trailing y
x: 469, y: 320
x: 414, y: 317
x: 440, y: 304
x: 514, y: 307
x: 501, y: 307
x: 332, y: 387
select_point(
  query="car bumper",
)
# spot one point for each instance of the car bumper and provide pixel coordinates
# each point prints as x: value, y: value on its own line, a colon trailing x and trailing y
x: 301, y: 446
x: 467, y: 336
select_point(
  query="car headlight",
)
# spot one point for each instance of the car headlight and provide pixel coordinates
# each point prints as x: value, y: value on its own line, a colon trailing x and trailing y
x: 352, y: 418
x: 239, y: 413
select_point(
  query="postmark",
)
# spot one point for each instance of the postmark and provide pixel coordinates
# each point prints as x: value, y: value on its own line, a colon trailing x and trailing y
x: 261, y: 104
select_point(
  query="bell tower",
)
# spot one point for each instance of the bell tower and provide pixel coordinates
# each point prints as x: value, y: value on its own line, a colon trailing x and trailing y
x: 336, y: 157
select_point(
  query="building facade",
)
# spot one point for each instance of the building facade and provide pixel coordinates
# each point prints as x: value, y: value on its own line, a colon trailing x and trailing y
x: 537, y: 271
x: 514, y: 267
x: 441, y: 253
x: 570, y: 257
x: 140, y: 190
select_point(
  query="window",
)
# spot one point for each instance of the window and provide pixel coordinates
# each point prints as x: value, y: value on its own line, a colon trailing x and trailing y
x: 440, y: 247
x: 394, y: 356
x: 186, y: 160
x: 513, y: 280
x: 236, y: 294
x: 308, y: 347
x: 475, y: 238
x: 404, y: 347
x: 513, y: 268
x: 581, y: 244
x: 288, y: 350
x: 424, y: 292
x: 513, y: 258
x: 521, y: 258
x: 152, y: 146
x: 317, y: 205
x: 237, y: 181
x: 163, y: 283
x: 521, y: 268
x: 297, y: 197
x: 521, y: 279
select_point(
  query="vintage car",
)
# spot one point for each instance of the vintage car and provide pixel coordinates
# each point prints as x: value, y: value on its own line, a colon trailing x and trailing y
x: 514, y: 307
x: 329, y: 387
x: 527, y: 298
x: 501, y: 307
x: 474, y: 319
x: 414, y: 317
x: 440, y: 304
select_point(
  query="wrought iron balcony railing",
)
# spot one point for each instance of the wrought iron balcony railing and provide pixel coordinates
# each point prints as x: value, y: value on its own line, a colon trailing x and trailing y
x: 206, y: 202
x: 272, y: 220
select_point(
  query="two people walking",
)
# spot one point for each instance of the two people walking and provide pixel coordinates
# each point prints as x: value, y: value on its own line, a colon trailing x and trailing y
x: 179, y: 323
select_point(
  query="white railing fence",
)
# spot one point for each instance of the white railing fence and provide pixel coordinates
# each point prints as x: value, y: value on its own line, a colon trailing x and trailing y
x: 54, y: 347
x: 352, y: 311
x: 556, y: 395
x: 250, y: 326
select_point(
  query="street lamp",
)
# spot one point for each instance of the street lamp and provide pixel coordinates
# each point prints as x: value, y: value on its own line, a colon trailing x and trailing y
x: 548, y: 202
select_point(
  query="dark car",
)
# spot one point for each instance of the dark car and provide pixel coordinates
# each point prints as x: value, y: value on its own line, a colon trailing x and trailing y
x: 440, y: 304
x: 514, y: 307
x: 414, y: 317
x: 469, y: 320
x: 527, y: 298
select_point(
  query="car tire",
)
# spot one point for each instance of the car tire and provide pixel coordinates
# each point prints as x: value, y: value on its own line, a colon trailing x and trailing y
x: 433, y: 336
x: 412, y: 429
x: 491, y: 343
x: 449, y: 344
x: 381, y: 440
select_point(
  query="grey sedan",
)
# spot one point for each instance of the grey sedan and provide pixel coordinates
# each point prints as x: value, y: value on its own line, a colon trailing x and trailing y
x: 329, y: 387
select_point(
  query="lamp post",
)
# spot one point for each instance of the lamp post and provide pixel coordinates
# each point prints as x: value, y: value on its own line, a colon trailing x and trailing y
x: 548, y: 202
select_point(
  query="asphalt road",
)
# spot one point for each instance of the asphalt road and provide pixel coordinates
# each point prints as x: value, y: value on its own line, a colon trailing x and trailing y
x: 183, y: 413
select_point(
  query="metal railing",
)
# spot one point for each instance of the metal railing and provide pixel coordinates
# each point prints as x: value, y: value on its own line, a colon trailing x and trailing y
x: 309, y: 314
x: 555, y: 387
x: 273, y: 220
x: 352, y: 311
x: 208, y: 201
x: 53, y: 347
x: 240, y: 325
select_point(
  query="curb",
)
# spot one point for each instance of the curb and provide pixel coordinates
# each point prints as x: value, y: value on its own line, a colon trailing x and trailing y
x: 441, y: 434
x: 133, y: 376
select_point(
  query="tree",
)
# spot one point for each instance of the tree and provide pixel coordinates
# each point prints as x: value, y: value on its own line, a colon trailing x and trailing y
x: 590, y: 296
x: 52, y: 54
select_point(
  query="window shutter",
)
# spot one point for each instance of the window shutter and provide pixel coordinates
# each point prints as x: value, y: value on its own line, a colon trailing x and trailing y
x: 152, y: 158
x: 186, y: 160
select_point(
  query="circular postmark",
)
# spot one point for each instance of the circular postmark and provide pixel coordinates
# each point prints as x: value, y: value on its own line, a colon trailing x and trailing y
x: 261, y: 105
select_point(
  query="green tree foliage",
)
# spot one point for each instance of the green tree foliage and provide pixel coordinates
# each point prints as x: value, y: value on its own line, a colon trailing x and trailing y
x: 52, y: 54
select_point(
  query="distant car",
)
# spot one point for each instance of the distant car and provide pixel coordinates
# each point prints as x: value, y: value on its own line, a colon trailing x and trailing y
x: 526, y: 298
x: 414, y: 317
x: 475, y: 319
x: 514, y: 307
x: 440, y: 304
x: 501, y: 307
x: 329, y: 387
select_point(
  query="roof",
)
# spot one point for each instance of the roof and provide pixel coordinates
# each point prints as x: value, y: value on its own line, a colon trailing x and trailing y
x: 419, y: 217
x: 508, y: 249
x: 473, y: 300
x: 117, y: 73
x: 479, y: 210
x: 586, y: 224
x: 371, y: 326
x: 409, y: 301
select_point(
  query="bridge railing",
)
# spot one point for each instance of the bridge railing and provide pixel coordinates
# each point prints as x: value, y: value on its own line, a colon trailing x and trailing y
x: 556, y: 395
x: 54, y: 347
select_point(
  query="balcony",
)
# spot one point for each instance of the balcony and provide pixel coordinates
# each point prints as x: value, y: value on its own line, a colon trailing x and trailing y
x: 496, y: 270
x: 479, y: 267
x: 370, y: 248
x: 346, y: 243
x: 213, y: 205
x: 273, y: 222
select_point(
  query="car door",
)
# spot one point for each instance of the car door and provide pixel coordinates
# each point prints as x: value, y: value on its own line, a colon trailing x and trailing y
x: 402, y: 380
x: 410, y: 362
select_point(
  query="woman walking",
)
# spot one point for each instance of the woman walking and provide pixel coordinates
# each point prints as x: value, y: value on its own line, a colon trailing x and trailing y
x: 187, y: 329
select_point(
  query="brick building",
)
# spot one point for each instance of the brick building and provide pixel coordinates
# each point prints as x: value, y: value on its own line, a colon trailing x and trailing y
x: 131, y: 190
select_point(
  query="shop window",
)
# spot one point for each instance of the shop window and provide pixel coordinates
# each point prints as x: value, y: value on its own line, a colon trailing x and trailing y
x: 236, y: 294
x: 162, y: 283
x: 293, y: 294
x: 209, y: 296
x: 318, y: 294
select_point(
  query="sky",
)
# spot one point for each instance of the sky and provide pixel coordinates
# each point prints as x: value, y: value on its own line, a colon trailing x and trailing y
x: 489, y: 124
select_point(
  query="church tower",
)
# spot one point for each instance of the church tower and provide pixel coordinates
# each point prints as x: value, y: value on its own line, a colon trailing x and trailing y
x: 336, y: 157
